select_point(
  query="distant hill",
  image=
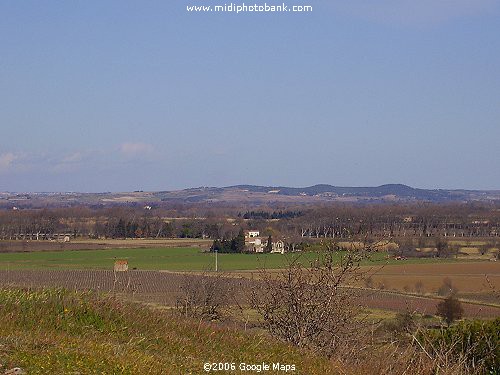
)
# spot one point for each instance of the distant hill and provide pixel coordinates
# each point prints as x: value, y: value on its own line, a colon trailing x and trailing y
x: 251, y: 194
x: 397, y: 190
x: 388, y: 192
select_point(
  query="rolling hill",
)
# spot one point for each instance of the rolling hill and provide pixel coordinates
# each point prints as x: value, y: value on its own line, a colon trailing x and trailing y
x: 250, y: 194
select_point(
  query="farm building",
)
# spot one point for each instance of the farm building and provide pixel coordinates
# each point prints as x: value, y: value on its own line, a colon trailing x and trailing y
x: 255, y: 243
x: 252, y: 234
x: 278, y: 247
x: 121, y: 266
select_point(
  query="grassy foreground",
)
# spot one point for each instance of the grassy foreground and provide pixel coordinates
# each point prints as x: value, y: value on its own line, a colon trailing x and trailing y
x: 56, y: 331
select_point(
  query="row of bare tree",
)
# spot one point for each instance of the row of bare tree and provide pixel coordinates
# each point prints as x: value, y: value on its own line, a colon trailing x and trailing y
x: 337, y: 221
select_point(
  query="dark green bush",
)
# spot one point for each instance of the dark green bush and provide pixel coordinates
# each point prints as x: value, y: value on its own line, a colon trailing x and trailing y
x: 477, y: 341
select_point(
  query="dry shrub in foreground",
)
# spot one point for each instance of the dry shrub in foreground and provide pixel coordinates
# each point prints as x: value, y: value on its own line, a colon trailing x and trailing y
x: 203, y: 296
x: 307, y: 307
x: 474, y: 344
x: 395, y: 359
x: 470, y: 347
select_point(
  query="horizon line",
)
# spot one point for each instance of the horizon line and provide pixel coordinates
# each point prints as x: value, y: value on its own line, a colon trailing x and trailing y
x: 235, y: 186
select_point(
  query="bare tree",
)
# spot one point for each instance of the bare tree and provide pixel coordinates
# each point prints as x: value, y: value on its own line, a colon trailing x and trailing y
x: 450, y: 309
x: 484, y: 248
x: 308, y: 306
x: 203, y: 296
x: 447, y: 288
x: 419, y: 287
x: 442, y: 248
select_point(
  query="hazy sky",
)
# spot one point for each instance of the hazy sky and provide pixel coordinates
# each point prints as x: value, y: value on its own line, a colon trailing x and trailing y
x: 128, y: 95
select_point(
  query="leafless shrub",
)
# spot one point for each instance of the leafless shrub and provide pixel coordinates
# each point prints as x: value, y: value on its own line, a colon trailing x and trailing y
x: 203, y: 296
x: 416, y: 350
x: 395, y: 359
x: 307, y: 307
x: 419, y: 287
x: 484, y: 248
x: 450, y: 309
x: 447, y: 288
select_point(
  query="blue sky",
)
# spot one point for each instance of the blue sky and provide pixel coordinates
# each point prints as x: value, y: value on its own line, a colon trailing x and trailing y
x: 143, y: 95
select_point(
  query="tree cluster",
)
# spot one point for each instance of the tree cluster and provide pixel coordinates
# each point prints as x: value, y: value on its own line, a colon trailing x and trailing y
x: 232, y: 245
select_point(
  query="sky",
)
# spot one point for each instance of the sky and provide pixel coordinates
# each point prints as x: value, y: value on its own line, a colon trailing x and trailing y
x: 144, y: 95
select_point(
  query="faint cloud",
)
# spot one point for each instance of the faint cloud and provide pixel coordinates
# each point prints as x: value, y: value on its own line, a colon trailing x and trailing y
x: 136, y: 149
x: 413, y: 12
x: 68, y: 163
x: 6, y: 160
x: 49, y: 161
x: 75, y: 157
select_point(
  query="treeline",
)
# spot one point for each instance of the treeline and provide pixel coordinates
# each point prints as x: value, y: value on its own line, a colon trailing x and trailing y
x: 439, y: 247
x: 296, y: 224
x: 155, y: 228
x: 400, y: 220
x: 114, y: 223
x: 265, y: 215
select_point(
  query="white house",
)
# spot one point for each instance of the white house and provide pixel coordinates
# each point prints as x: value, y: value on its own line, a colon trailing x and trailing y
x: 255, y: 243
x: 278, y: 247
x: 252, y: 233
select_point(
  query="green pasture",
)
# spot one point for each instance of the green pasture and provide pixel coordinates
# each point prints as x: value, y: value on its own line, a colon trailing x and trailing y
x: 174, y: 259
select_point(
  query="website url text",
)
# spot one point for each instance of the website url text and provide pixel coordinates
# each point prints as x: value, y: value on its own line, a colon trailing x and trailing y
x: 243, y: 8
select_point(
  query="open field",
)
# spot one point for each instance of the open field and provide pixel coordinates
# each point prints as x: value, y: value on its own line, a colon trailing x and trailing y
x: 92, y: 269
x: 170, y: 258
x: 174, y: 259
x: 466, y: 277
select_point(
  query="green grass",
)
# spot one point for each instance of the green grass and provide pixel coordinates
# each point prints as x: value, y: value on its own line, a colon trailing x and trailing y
x: 60, y: 332
x: 174, y: 259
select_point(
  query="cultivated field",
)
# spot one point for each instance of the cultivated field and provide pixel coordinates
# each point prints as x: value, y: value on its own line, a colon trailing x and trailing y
x: 396, y: 285
x: 147, y: 286
x: 164, y: 288
x: 467, y: 277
